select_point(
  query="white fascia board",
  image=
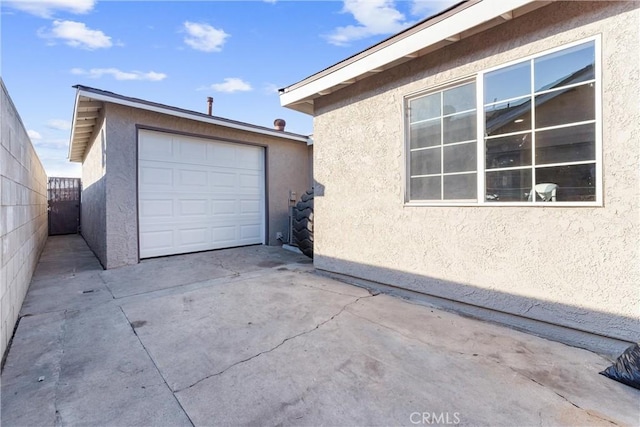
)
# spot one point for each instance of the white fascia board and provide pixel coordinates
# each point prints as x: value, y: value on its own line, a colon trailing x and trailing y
x: 183, y: 114
x: 464, y: 20
x: 73, y: 125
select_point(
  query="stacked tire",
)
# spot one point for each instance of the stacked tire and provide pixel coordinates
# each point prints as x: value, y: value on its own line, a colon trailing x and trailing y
x: 303, y: 224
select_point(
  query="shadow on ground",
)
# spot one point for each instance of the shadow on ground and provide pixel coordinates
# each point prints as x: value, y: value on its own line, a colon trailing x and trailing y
x: 252, y: 336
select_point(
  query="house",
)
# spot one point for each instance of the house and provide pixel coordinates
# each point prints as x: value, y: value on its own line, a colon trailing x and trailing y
x: 159, y: 180
x: 486, y: 160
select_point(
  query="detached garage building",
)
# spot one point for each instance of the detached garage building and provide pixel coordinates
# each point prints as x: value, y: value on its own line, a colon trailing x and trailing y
x: 160, y: 180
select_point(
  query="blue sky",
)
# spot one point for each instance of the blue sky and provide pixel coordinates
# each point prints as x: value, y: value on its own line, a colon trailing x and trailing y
x: 178, y: 53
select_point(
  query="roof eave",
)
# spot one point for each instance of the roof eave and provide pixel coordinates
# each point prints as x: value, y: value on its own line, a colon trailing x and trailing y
x: 76, y: 155
x: 433, y: 33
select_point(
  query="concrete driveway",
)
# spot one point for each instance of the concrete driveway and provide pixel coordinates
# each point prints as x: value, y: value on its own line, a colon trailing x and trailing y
x: 252, y: 336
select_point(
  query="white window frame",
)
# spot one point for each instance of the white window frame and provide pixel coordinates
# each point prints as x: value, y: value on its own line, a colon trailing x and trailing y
x: 442, y: 173
x: 478, y: 78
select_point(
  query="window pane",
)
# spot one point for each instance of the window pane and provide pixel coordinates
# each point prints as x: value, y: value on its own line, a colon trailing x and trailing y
x: 507, y: 83
x: 508, y: 186
x: 566, y: 67
x: 425, y: 162
x: 576, y: 183
x: 426, y: 107
x: 461, y: 98
x: 460, y: 158
x: 425, y: 188
x: 566, y: 106
x: 425, y: 134
x: 570, y: 144
x: 507, y: 117
x: 460, y: 187
x: 458, y: 128
x: 508, y: 151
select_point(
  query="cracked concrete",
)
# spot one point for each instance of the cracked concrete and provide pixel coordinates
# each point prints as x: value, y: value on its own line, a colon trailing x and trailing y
x: 250, y: 336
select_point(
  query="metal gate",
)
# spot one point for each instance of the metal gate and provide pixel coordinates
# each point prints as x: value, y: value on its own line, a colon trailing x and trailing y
x: 64, y: 205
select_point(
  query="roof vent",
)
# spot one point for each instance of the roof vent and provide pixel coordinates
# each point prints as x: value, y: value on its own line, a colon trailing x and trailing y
x: 209, y: 105
x: 279, y: 124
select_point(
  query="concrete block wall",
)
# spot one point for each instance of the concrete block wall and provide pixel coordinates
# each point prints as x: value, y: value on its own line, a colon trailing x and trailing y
x: 23, y: 214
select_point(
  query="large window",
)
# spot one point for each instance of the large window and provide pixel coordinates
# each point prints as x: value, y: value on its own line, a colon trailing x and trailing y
x: 536, y: 142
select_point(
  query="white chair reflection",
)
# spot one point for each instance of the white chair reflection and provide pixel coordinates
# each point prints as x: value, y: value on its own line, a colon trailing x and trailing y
x: 546, y: 191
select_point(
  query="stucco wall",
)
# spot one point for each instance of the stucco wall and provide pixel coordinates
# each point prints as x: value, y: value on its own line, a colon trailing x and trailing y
x: 23, y: 214
x: 287, y: 169
x: 93, y: 206
x: 574, y: 266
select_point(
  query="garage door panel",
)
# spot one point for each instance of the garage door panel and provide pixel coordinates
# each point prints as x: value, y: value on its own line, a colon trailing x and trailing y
x: 193, y: 207
x: 249, y: 232
x: 157, y: 240
x: 197, y: 194
x: 156, y: 208
x: 193, y: 178
x: 192, y: 151
x: 156, y: 176
x: 193, y: 236
x: 224, y: 207
x: 250, y: 182
x: 250, y: 207
x: 248, y: 158
x: 222, y: 155
x: 155, y: 147
x: 225, y: 234
x: 224, y: 180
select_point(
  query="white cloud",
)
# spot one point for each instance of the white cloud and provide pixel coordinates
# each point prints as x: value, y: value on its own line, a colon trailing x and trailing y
x: 47, y: 8
x: 204, y: 37
x: 425, y: 8
x: 34, y: 135
x: 96, y: 73
x: 76, y: 34
x: 59, y: 124
x: 374, y: 17
x: 230, y: 85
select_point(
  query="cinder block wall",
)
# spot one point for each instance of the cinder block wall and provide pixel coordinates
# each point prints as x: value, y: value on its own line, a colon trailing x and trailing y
x: 23, y: 214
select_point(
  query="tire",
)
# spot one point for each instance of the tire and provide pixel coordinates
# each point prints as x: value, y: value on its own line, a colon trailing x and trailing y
x: 303, y: 224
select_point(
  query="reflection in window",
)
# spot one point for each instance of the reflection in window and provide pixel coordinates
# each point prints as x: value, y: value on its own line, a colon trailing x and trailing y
x: 570, y: 144
x: 508, y: 117
x: 562, y: 100
x: 443, y: 144
x: 574, y: 104
x: 534, y: 138
x: 426, y: 134
x: 425, y: 108
x: 569, y: 66
x: 459, y: 127
x: 508, y: 151
x: 507, y: 83
x: 508, y: 186
x: 576, y: 183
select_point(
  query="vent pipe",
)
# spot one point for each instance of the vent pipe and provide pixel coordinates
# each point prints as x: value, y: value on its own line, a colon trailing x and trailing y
x: 279, y: 124
x: 209, y: 105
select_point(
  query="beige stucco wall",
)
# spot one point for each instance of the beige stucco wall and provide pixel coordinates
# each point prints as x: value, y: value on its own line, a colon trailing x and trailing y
x: 574, y: 266
x: 23, y: 215
x: 287, y: 170
x: 93, y: 207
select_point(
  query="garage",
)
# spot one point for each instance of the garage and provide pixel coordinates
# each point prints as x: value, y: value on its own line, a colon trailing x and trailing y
x: 197, y: 194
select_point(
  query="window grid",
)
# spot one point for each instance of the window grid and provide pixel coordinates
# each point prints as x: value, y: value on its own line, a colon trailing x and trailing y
x: 533, y: 130
x: 441, y: 143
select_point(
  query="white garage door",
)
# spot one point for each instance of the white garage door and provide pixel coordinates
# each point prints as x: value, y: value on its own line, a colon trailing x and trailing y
x: 196, y: 194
